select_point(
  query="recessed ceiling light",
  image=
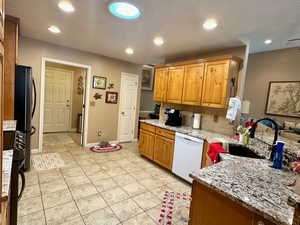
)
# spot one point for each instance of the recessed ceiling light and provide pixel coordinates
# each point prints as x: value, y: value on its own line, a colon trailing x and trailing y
x: 66, y: 6
x: 268, y: 41
x: 124, y: 10
x: 158, y: 41
x: 210, y: 24
x: 54, y: 29
x: 129, y: 51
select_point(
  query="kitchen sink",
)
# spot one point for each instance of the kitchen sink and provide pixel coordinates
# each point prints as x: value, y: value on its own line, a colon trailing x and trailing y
x: 242, y: 151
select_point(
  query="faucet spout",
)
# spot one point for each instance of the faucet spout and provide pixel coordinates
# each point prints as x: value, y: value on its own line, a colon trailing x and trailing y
x: 276, y: 127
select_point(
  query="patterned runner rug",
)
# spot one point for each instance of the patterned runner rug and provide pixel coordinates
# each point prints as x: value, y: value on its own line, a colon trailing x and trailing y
x: 175, y: 209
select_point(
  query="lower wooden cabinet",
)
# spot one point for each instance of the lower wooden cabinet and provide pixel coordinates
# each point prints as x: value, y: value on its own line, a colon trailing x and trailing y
x: 163, y: 151
x: 157, y: 144
x: 208, y: 207
x: 146, y: 144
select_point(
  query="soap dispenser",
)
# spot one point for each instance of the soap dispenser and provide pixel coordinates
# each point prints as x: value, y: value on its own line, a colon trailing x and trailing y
x: 277, y: 163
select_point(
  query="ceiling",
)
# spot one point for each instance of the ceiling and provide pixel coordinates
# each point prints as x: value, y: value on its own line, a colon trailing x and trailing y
x: 92, y: 28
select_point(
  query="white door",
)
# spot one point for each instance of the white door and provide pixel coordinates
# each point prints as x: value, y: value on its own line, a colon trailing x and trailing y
x: 57, y: 100
x: 127, y: 108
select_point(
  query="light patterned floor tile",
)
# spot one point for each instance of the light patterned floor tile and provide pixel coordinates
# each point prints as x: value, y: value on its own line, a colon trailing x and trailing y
x: 126, y: 209
x: 151, y: 183
x: 49, y: 176
x: 37, y: 218
x: 83, y: 190
x: 61, y: 214
x: 91, y: 170
x: 154, y: 213
x: 134, y: 189
x: 90, y: 203
x: 115, y: 195
x: 99, y: 176
x: 56, y: 198
x: 72, y: 172
x: 116, y: 171
x: 54, y: 186
x: 124, y: 179
x: 147, y: 200
x: 73, y: 221
x: 105, y: 184
x: 142, y: 219
x: 140, y: 174
x: 101, y: 217
x: 31, y: 191
x: 77, y: 180
x: 29, y: 206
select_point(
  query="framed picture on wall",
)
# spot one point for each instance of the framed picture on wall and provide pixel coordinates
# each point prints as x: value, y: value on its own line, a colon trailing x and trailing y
x: 147, y: 78
x: 283, y: 98
x: 111, y: 97
x: 99, y: 82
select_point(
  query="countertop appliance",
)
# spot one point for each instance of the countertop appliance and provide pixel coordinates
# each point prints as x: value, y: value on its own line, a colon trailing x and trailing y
x: 187, y: 155
x: 196, y: 121
x: 174, y: 117
x: 25, y: 102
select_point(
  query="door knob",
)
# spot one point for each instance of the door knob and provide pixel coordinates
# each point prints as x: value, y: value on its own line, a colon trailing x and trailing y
x: 123, y: 113
x: 68, y: 105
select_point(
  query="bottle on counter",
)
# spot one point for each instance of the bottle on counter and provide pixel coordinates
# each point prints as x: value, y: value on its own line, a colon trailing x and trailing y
x: 277, y: 163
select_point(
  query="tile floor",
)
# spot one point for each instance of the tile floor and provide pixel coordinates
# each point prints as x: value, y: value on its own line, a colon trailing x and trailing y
x: 96, y: 188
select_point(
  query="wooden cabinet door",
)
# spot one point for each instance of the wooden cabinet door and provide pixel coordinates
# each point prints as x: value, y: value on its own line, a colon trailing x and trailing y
x: 175, y: 84
x: 163, y: 151
x: 2, y: 20
x: 1, y: 108
x: 146, y: 144
x: 160, y: 85
x: 193, y: 81
x: 215, y: 84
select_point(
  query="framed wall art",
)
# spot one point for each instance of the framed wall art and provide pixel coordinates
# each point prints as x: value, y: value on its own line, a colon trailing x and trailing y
x: 147, y: 78
x: 111, y: 97
x: 283, y: 99
x: 99, y: 82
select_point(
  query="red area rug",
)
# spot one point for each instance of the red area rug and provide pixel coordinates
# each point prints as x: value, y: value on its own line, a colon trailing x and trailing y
x: 106, y: 149
x: 175, y: 209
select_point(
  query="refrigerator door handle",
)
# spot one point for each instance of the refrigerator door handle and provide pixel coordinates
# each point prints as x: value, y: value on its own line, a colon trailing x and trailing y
x: 23, y: 184
x: 34, y: 97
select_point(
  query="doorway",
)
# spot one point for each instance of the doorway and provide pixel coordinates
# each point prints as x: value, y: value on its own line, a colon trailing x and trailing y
x: 127, y: 108
x: 63, y: 108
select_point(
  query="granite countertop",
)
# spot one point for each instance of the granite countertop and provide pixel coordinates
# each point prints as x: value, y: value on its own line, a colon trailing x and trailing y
x: 6, y: 173
x: 253, y: 184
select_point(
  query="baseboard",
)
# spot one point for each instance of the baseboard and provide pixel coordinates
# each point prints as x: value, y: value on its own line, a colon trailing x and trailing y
x: 73, y: 130
x: 35, y: 150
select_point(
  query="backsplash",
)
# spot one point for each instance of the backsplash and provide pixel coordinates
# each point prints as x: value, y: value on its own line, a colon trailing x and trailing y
x: 211, y: 120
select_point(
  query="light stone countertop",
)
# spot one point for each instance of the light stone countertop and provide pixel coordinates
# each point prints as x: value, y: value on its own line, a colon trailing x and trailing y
x: 253, y: 184
x: 6, y: 172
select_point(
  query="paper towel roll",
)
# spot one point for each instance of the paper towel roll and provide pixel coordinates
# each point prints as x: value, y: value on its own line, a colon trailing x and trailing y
x: 197, y: 120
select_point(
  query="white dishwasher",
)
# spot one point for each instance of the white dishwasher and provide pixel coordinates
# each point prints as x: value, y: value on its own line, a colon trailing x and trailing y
x: 187, y: 155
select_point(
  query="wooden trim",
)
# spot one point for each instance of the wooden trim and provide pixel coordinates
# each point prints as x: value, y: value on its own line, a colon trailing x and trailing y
x: 209, y: 59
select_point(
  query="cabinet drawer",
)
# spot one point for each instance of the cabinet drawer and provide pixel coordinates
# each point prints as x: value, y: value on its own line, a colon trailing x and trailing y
x: 147, y: 127
x: 165, y: 133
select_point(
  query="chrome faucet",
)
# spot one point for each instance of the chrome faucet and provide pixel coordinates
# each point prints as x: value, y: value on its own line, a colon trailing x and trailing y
x: 273, y: 147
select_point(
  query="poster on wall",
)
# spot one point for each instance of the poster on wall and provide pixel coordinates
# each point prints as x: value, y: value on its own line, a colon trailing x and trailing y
x: 99, y: 82
x: 284, y: 98
x: 111, y: 97
x: 147, y: 78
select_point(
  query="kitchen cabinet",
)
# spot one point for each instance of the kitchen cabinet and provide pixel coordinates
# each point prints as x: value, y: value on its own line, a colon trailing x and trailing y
x: 215, y: 84
x: 1, y: 110
x: 206, y: 203
x: 175, y: 84
x: 11, y: 40
x: 205, y: 158
x: 163, y: 151
x: 193, y: 81
x: 160, y: 87
x: 2, y: 19
x: 205, y: 82
x: 157, y: 144
x: 146, y: 144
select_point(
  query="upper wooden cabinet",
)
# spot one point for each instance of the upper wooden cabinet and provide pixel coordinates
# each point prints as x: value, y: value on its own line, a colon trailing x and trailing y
x: 160, y: 87
x: 11, y: 40
x: 215, y: 84
x: 193, y: 81
x: 2, y: 20
x: 175, y: 84
x: 207, y: 82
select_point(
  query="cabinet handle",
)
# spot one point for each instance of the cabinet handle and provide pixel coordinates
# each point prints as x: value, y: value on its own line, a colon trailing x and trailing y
x: 260, y: 222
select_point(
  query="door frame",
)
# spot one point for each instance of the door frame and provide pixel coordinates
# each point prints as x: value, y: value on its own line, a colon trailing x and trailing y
x: 71, y: 95
x: 86, y: 97
x: 123, y: 74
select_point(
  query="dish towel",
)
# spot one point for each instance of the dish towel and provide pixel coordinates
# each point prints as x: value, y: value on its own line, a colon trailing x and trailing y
x: 233, y: 107
x: 214, y: 150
